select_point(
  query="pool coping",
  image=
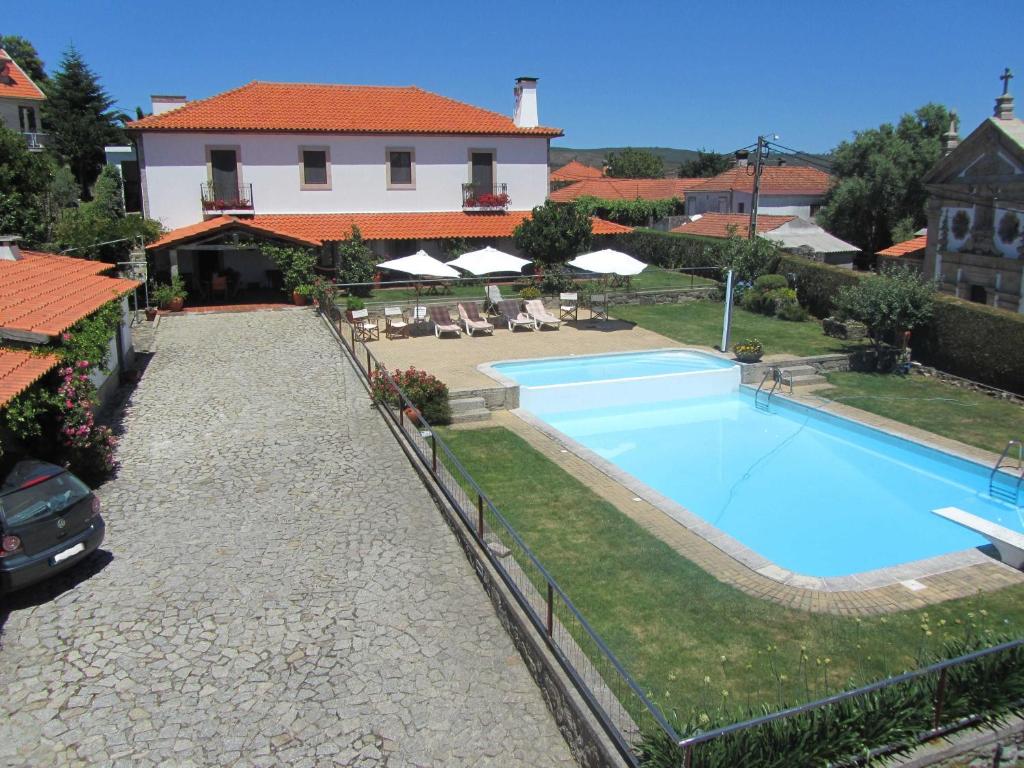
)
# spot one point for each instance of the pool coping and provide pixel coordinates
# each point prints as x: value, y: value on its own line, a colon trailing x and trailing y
x: 904, y: 574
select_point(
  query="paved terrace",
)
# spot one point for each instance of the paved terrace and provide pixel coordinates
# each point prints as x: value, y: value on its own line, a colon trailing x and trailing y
x: 279, y: 589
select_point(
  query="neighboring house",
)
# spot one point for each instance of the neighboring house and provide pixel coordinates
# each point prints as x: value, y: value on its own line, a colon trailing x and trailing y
x: 576, y: 171
x: 302, y: 163
x: 126, y: 160
x: 975, y: 244
x: 786, y: 190
x: 41, y: 296
x: 626, y: 189
x: 792, y: 233
x: 908, y: 253
x: 20, y: 102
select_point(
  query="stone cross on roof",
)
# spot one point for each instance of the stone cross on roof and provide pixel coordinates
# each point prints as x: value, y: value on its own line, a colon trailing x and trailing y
x: 1006, y: 77
x: 1004, y: 102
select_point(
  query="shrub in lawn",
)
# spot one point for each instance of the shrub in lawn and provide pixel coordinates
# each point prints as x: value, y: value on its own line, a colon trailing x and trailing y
x: 817, y: 284
x: 792, y: 311
x: 529, y: 292
x: 427, y: 393
x: 894, y: 301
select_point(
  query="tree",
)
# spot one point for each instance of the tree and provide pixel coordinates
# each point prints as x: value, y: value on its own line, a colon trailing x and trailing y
x: 748, y: 259
x: 879, y: 177
x: 77, y: 111
x: 633, y: 163
x: 26, y: 56
x: 25, y: 179
x: 896, y: 300
x: 705, y: 165
x: 356, y: 263
x: 554, y: 233
x: 296, y: 263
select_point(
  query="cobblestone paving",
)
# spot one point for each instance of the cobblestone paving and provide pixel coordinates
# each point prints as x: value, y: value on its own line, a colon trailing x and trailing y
x: 279, y: 589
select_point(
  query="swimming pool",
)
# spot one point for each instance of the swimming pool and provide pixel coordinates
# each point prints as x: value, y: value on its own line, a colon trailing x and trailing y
x: 811, y: 492
x: 587, y: 368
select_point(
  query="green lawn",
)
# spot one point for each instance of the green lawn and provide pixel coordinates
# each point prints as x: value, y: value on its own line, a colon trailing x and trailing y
x: 930, y: 404
x: 685, y: 636
x: 700, y: 322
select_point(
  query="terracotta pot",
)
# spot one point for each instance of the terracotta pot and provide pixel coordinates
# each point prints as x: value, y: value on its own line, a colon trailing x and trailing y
x: 176, y: 304
x: 411, y: 414
x: 298, y: 299
x: 151, y: 313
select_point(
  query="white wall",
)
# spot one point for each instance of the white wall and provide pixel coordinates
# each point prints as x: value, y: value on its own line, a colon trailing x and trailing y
x: 777, y: 205
x: 175, y: 168
x: 9, y: 114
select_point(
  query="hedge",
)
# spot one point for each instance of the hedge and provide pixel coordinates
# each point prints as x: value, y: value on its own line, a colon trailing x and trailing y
x: 669, y: 250
x: 963, y: 338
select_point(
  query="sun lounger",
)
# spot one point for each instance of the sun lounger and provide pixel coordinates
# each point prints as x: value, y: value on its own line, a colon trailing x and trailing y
x: 394, y: 323
x: 568, y: 306
x: 441, y: 317
x: 471, y: 318
x: 365, y: 330
x: 492, y: 294
x: 514, y: 316
x: 535, y: 308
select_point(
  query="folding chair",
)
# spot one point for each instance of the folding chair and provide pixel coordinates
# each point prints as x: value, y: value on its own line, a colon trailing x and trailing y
x: 598, y: 306
x: 568, y: 306
x: 364, y: 328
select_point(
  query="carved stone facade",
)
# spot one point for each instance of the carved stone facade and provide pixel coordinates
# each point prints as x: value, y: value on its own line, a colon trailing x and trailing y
x: 976, y: 212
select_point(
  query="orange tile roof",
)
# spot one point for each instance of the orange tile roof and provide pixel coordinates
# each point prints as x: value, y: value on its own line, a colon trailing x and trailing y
x: 718, y: 224
x: 574, y: 170
x: 311, y: 108
x: 775, y: 180
x: 909, y: 247
x: 45, y: 294
x: 16, y: 84
x: 316, y: 228
x: 626, y: 189
x: 19, y: 370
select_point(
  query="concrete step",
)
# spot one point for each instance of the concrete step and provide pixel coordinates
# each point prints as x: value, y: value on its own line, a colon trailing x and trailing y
x: 807, y: 379
x: 478, y: 414
x: 799, y: 370
x: 462, y: 404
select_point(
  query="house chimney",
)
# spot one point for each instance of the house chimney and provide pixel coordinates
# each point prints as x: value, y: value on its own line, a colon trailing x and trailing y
x: 741, y: 158
x: 9, y: 250
x: 1004, y: 102
x: 950, y: 139
x: 163, y: 104
x: 525, y: 115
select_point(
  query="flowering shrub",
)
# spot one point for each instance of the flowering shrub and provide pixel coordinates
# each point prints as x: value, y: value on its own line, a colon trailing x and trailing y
x: 748, y: 348
x: 488, y: 200
x: 90, y: 447
x: 427, y: 393
x: 226, y: 205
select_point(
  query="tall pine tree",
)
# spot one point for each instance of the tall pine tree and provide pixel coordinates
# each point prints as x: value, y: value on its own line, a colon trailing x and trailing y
x: 78, y: 114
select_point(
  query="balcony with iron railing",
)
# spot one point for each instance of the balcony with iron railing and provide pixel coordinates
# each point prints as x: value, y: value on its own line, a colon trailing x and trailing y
x: 477, y: 197
x: 218, y: 200
x: 36, y: 141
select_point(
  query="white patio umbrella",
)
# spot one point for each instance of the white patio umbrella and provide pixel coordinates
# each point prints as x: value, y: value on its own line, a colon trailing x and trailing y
x: 609, y: 262
x: 420, y: 264
x: 489, y: 260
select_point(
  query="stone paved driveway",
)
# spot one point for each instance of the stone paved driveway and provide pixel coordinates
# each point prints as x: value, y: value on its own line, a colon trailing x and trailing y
x: 281, y: 590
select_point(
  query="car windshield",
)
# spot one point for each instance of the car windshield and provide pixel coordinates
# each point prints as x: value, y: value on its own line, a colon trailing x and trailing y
x: 41, y: 497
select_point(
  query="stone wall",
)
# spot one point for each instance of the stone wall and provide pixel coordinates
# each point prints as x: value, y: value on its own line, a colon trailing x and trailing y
x: 998, y: 748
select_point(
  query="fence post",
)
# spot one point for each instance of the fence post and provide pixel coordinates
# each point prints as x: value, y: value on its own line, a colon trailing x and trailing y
x: 367, y: 360
x: 688, y: 756
x: 352, y: 337
x: 551, y: 599
x: 480, y: 517
x: 401, y: 413
x: 433, y: 451
x: 940, y: 697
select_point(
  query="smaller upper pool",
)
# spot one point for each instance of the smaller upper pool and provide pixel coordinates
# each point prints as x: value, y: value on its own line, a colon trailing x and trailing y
x: 632, y: 365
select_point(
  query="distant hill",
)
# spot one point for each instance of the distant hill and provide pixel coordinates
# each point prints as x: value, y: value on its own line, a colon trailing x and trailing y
x: 673, y: 158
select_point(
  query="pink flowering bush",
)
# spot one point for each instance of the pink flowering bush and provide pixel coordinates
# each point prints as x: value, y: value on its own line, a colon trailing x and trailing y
x: 426, y: 392
x: 90, y: 447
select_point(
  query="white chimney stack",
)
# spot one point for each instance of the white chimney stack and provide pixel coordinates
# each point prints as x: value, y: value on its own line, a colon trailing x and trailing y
x: 163, y: 104
x: 526, y: 103
x: 9, y: 250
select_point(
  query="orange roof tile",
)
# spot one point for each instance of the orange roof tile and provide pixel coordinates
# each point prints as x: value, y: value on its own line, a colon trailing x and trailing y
x: 14, y: 83
x: 19, y: 370
x: 909, y: 247
x: 45, y: 294
x: 316, y: 228
x: 626, y: 189
x: 719, y: 224
x: 311, y: 108
x: 775, y: 180
x: 574, y: 170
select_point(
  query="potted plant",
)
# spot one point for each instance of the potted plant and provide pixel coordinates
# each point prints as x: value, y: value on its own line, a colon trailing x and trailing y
x: 748, y: 351
x: 351, y: 304
x: 301, y: 294
x: 170, y: 296
x: 151, y: 313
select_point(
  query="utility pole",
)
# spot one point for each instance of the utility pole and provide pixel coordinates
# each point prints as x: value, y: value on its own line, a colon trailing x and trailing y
x: 758, y: 165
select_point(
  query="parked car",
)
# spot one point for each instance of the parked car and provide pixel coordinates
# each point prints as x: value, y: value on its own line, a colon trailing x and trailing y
x: 49, y: 520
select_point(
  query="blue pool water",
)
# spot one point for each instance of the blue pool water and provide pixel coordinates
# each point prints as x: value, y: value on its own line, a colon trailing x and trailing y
x: 567, y: 370
x: 814, y: 493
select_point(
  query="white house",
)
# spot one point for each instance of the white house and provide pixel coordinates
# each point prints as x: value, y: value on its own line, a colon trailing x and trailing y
x: 304, y: 163
x: 20, y: 102
x: 786, y: 190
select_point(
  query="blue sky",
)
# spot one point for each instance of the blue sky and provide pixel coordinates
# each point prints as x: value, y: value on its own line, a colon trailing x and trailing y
x: 677, y: 74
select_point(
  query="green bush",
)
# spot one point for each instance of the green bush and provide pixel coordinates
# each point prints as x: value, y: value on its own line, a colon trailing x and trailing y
x: 556, y: 279
x: 354, y: 302
x: 770, y: 282
x: 669, y: 250
x: 817, y: 284
x: 427, y: 393
x: 793, y: 312
x: 530, y: 292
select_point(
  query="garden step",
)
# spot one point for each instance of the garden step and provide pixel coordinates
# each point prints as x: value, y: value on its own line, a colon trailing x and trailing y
x: 462, y: 404
x: 478, y: 414
x: 807, y: 379
x: 799, y: 370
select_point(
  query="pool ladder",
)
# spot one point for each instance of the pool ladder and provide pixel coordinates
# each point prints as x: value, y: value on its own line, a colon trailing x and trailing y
x: 1006, y: 489
x: 763, y: 403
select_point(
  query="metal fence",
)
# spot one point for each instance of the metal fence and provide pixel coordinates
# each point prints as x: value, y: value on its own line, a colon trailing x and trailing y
x: 617, y: 701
